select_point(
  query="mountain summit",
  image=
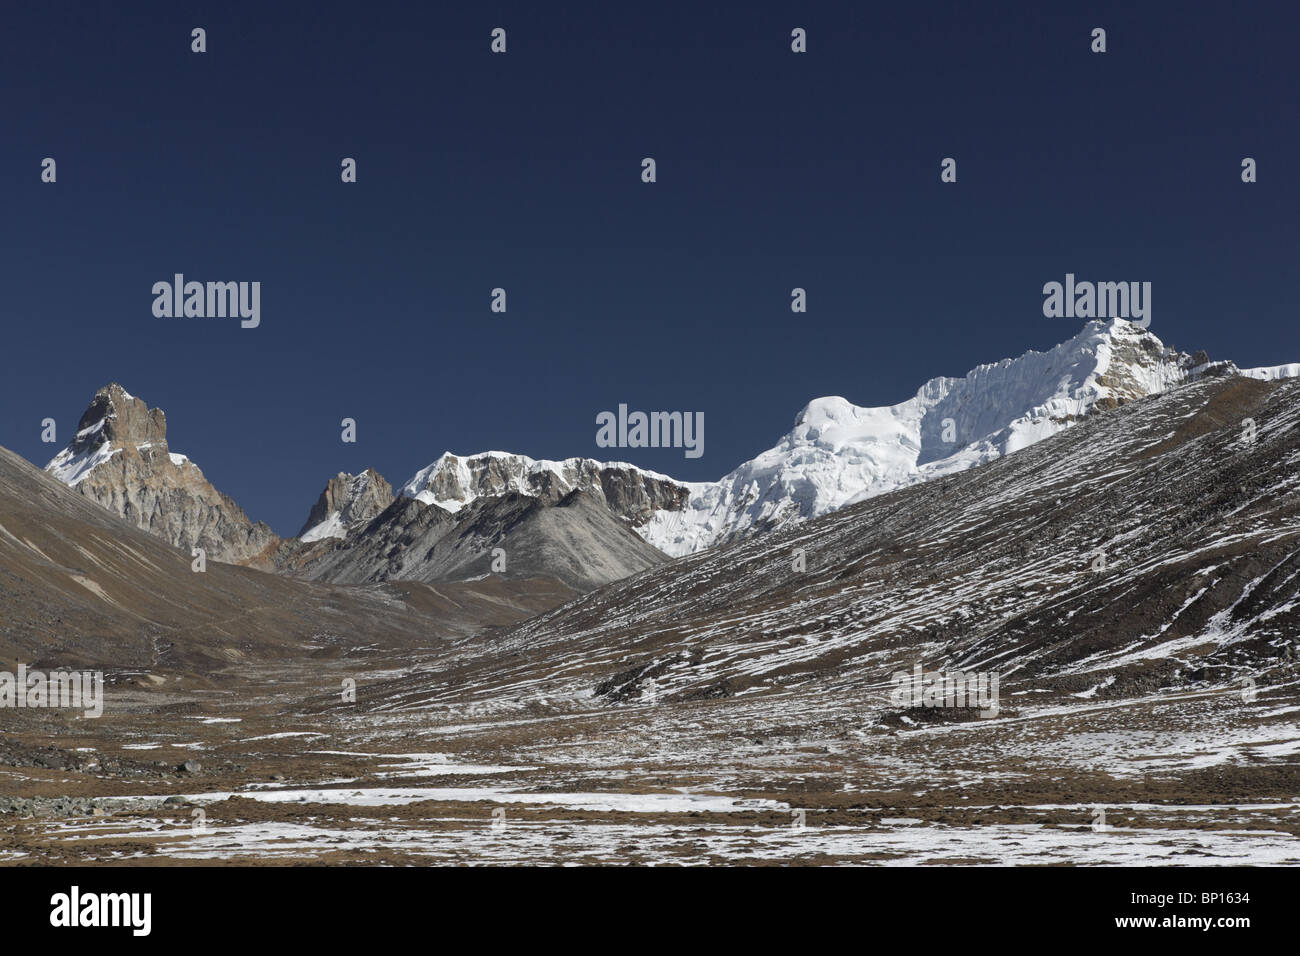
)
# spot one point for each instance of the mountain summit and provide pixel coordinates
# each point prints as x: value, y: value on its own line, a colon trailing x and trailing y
x: 839, y: 453
x: 347, y: 503
x: 120, y: 459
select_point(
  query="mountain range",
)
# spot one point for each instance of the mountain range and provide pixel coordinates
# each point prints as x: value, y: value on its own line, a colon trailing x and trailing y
x: 1107, y: 535
x: 585, y: 523
x: 1147, y: 550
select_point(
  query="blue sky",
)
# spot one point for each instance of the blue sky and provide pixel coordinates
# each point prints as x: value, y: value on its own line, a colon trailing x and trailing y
x: 522, y: 171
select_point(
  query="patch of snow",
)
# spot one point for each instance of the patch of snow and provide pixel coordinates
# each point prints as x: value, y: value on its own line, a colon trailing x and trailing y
x: 331, y: 527
x: 1274, y: 372
x: 398, y: 796
x: 72, y: 468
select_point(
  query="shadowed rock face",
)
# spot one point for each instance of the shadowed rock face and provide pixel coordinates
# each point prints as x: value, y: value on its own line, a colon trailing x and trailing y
x: 125, y: 420
x: 631, y: 493
x: 120, y: 459
x: 575, y: 540
x: 636, y: 495
x: 348, y: 502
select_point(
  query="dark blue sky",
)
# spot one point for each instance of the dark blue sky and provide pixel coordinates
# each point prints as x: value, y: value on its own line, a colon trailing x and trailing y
x: 522, y: 171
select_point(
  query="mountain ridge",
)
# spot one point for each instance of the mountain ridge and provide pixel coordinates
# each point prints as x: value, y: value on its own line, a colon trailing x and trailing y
x: 839, y: 453
x: 836, y: 454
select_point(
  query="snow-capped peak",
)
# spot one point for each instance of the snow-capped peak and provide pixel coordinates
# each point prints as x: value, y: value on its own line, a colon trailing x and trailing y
x: 838, y: 453
x: 115, y: 420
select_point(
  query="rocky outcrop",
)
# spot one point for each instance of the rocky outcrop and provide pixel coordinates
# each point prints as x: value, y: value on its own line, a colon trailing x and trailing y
x: 347, y: 503
x: 630, y: 493
x: 121, y: 460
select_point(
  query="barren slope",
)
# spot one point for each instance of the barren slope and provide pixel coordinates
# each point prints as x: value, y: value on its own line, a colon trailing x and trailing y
x: 995, y: 569
x: 81, y: 587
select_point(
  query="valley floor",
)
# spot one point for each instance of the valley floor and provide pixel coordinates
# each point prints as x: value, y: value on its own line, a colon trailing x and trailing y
x: 1195, y: 776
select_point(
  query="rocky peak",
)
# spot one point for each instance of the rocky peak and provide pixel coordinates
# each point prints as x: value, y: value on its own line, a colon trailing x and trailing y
x: 120, y: 459
x: 348, y: 502
x: 118, y: 417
